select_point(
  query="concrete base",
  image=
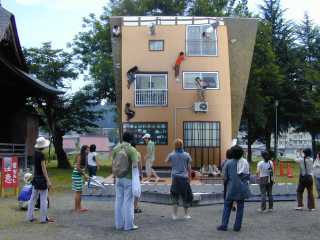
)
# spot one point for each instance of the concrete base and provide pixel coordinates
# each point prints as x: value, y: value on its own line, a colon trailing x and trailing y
x: 204, y: 194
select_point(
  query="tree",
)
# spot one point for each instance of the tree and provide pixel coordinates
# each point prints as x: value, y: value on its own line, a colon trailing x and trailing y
x: 92, y: 49
x: 218, y: 8
x: 308, y: 77
x: 262, y: 88
x: 148, y: 7
x: 61, y: 113
x: 283, y: 46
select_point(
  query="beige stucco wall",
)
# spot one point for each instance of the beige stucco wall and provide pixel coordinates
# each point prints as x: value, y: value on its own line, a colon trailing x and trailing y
x: 135, y: 51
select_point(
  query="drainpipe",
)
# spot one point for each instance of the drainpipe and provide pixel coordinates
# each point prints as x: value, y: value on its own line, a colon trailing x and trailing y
x: 175, y: 118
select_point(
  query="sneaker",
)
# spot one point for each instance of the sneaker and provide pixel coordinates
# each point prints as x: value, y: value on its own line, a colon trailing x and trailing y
x: 261, y: 211
x: 312, y: 209
x: 137, y: 210
x: 221, y: 228
x: 270, y: 210
x: 299, y: 208
x: 187, y: 217
x: 236, y: 229
x: 135, y: 227
x: 174, y: 217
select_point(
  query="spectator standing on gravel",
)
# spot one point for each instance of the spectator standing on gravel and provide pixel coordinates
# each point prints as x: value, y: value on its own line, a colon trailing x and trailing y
x: 305, y: 179
x: 41, y: 183
x: 316, y: 173
x: 237, y: 190
x: 93, y: 163
x: 180, y: 173
x: 265, y: 174
x: 124, y: 158
x: 78, y: 174
x: 150, y: 157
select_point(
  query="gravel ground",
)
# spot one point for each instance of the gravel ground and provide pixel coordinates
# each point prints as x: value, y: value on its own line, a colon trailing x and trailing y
x: 155, y: 223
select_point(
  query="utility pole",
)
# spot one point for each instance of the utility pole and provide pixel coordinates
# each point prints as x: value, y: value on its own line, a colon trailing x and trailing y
x: 276, y: 104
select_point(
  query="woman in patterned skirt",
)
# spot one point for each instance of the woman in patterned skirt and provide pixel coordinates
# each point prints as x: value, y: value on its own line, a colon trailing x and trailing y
x: 77, y: 177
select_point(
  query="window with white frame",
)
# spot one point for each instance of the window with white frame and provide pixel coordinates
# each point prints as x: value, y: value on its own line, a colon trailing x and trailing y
x: 201, y: 134
x: 201, y: 40
x: 211, y: 80
x: 151, y: 90
x: 156, y: 45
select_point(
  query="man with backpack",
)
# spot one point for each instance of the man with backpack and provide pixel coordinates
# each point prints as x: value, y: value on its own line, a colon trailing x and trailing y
x: 124, y: 158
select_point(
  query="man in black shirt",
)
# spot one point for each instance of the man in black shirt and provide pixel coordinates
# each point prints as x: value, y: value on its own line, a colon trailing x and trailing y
x: 41, y: 182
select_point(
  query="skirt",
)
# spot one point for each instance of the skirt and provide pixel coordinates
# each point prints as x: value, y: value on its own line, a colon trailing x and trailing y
x: 77, y: 181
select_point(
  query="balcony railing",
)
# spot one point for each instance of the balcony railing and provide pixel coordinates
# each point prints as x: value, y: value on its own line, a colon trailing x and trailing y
x: 151, y: 97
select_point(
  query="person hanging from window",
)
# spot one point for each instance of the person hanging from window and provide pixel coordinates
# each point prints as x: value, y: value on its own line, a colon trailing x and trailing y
x: 116, y: 31
x: 202, y: 85
x: 305, y: 179
x: 265, y: 175
x: 179, y: 60
x: 131, y: 74
x: 129, y: 112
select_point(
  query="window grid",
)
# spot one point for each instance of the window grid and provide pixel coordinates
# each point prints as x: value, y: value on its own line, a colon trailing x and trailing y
x: 157, y: 130
x: 201, y: 134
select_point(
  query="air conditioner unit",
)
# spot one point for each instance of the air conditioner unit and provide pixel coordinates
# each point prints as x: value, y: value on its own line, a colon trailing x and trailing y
x: 200, y: 106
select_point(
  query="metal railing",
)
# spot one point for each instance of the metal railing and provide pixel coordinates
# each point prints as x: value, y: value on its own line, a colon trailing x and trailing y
x: 169, y: 20
x: 151, y: 97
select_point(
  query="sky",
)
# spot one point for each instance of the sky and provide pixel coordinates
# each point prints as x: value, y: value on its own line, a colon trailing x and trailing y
x: 58, y: 21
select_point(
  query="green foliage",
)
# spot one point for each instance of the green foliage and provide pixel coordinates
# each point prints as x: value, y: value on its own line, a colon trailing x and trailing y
x: 148, y: 7
x: 61, y: 113
x: 92, y: 49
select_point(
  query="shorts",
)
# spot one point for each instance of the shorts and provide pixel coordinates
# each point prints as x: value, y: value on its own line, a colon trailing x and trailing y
x: 149, y: 165
x: 180, y: 188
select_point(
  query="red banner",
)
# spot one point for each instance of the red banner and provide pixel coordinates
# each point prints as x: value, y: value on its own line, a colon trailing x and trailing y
x: 9, y: 172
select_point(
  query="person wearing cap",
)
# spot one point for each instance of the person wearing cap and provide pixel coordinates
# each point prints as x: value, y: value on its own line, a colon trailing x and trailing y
x: 150, y: 157
x: 41, y: 183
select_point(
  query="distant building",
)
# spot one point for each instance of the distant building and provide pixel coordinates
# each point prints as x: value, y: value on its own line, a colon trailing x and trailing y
x: 289, y: 143
x: 105, y: 136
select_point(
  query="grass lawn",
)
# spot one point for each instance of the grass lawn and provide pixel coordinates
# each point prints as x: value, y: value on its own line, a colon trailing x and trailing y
x: 61, y: 178
x: 282, y: 179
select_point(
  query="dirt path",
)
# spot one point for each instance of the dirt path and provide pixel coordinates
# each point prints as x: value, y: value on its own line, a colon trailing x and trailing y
x: 155, y: 223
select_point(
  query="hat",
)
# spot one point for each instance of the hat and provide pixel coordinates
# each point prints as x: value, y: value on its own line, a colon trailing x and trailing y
x: 27, y: 178
x: 41, y: 142
x: 147, y: 135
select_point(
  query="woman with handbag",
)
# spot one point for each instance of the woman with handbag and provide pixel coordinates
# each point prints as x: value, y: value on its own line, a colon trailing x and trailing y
x: 305, y: 180
x: 237, y: 189
x: 316, y: 173
x: 265, y: 175
x: 77, y: 177
x: 41, y: 183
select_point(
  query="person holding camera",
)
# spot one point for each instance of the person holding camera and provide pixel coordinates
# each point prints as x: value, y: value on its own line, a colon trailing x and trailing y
x: 265, y: 173
x: 305, y: 162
